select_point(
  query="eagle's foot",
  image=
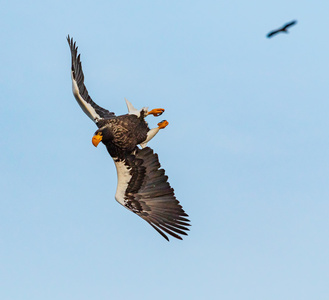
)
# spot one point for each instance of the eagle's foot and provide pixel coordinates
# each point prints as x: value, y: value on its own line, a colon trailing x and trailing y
x: 156, y: 112
x: 163, y: 124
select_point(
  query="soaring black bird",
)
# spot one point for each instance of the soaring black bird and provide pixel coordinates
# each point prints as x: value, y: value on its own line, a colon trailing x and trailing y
x: 282, y: 29
x: 142, y: 185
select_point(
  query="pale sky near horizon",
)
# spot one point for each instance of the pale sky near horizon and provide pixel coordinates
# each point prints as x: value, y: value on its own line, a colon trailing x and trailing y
x: 246, y: 150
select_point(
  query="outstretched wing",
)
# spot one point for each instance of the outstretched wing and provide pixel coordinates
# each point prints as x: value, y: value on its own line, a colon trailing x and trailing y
x: 91, y: 109
x: 289, y: 24
x: 272, y: 33
x: 143, y: 188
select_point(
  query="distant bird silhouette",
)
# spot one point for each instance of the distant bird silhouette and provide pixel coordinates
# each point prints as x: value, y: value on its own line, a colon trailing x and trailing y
x: 282, y: 29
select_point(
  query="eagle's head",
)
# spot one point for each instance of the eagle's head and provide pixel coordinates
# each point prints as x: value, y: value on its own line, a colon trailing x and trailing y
x: 103, y: 134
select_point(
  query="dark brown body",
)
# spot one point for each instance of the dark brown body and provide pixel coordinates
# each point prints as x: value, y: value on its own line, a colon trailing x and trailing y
x: 122, y: 134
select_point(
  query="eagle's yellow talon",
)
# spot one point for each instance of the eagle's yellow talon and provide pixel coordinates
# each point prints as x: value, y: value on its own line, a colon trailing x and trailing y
x: 163, y: 124
x: 156, y: 112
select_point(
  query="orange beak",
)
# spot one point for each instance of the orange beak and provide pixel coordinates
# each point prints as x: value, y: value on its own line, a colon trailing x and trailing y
x: 96, y: 139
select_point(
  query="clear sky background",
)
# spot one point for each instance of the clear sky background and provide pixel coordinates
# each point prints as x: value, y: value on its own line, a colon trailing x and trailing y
x: 246, y: 149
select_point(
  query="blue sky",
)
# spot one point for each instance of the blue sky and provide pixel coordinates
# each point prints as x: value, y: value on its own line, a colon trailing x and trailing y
x: 246, y: 150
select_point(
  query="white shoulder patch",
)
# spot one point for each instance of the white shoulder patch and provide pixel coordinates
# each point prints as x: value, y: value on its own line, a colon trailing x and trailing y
x: 86, y: 107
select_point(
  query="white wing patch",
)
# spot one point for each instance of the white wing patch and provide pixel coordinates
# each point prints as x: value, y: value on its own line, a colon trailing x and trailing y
x: 123, y: 179
x: 86, y: 107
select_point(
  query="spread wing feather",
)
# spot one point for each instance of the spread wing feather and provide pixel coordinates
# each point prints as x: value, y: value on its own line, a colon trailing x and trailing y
x: 144, y: 189
x: 287, y: 25
x: 80, y: 92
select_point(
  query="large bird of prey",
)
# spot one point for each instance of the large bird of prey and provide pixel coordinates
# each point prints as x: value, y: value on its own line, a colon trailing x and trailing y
x: 142, y: 185
x: 282, y: 29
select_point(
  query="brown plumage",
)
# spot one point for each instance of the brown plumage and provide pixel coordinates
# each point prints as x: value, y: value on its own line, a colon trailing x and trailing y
x: 122, y: 134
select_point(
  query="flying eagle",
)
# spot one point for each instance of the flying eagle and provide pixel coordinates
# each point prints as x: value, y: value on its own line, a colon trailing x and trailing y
x: 142, y: 185
x: 282, y: 29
